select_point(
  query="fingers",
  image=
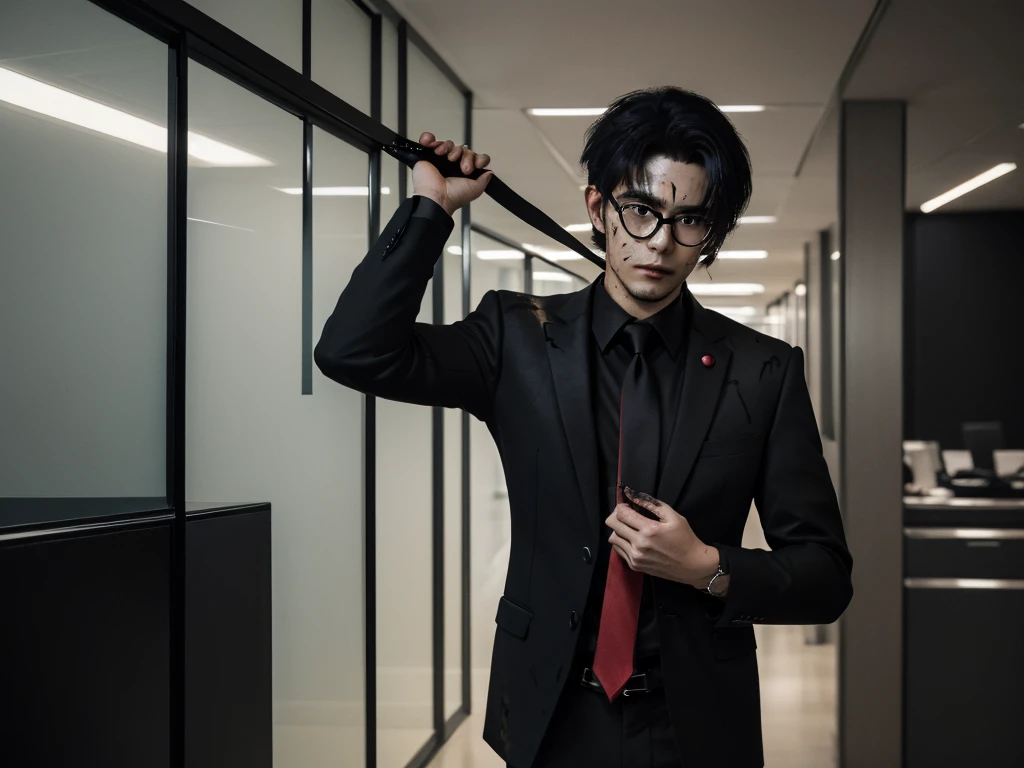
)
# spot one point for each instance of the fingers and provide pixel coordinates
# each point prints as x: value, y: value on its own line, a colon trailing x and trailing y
x: 467, y: 159
x: 621, y: 549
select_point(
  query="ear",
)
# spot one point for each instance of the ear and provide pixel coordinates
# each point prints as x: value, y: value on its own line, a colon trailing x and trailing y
x: 595, y: 207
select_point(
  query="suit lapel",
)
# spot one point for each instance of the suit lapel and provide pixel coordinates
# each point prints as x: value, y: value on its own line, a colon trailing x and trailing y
x: 568, y: 336
x: 697, y: 401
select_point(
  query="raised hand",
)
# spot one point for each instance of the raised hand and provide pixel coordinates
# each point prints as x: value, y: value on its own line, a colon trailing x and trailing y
x: 450, y: 193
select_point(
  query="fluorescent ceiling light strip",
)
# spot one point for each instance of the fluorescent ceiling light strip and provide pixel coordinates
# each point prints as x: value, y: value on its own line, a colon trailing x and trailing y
x: 553, y: 277
x: 968, y: 186
x: 553, y: 255
x: 725, y: 289
x: 735, y: 311
x: 579, y: 227
x: 455, y: 249
x: 594, y: 111
x: 758, y: 220
x: 334, y: 191
x: 743, y: 254
x: 499, y: 255
x: 45, y: 99
x: 567, y: 111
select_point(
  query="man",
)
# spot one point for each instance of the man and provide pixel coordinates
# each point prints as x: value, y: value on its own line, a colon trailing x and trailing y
x: 635, y: 427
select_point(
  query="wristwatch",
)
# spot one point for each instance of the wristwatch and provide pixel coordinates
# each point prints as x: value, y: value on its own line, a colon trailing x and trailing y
x: 719, y: 572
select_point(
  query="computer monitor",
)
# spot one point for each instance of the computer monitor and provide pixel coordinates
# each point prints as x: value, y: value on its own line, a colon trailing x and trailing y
x: 981, y: 439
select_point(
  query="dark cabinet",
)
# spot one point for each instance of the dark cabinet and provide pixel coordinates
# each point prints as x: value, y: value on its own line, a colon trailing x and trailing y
x: 964, y: 632
x: 84, y: 650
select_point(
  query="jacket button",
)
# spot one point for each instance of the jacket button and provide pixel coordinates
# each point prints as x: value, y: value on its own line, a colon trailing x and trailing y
x: 586, y: 555
x: 573, y: 620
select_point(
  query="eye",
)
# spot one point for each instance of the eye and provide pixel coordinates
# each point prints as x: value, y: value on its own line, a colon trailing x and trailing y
x: 692, y: 221
x: 641, y: 210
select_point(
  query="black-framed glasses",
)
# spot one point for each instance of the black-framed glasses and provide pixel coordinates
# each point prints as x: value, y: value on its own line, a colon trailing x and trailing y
x: 642, y: 222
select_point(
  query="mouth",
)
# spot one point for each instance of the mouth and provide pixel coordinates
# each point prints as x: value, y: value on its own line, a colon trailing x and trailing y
x: 650, y: 270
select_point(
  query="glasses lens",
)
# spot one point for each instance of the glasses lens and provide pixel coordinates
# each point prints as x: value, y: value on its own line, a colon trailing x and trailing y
x: 691, y: 230
x: 639, y: 220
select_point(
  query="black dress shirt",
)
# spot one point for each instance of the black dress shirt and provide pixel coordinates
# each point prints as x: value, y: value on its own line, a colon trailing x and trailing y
x: 612, y: 355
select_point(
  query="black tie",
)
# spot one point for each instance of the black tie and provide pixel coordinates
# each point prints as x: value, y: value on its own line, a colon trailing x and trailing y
x: 639, y: 415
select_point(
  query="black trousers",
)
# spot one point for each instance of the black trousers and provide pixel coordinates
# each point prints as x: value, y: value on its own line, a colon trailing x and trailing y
x: 586, y: 730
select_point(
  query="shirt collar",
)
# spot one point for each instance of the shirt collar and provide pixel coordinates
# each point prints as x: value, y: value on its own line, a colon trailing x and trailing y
x: 609, y: 318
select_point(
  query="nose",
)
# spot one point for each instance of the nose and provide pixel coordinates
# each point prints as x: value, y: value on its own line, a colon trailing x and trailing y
x: 662, y: 240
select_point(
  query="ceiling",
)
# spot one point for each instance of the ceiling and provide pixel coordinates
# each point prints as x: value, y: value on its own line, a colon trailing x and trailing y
x: 787, y: 55
x: 958, y: 65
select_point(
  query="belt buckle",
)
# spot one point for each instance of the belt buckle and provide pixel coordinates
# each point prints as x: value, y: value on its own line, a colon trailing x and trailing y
x: 633, y: 691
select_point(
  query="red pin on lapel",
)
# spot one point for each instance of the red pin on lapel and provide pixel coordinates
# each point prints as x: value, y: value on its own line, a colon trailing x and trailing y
x: 708, y: 361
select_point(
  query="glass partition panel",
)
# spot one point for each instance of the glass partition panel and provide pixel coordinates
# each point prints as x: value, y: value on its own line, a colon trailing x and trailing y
x: 341, y: 50
x: 437, y: 106
x: 252, y: 435
x: 273, y: 25
x: 83, y: 271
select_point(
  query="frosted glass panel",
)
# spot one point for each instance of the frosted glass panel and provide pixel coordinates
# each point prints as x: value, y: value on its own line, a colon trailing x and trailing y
x: 341, y: 50
x: 437, y: 106
x: 273, y: 25
x: 252, y: 435
x: 83, y: 268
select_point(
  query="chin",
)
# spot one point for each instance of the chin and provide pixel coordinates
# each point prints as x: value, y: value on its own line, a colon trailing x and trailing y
x: 646, y: 292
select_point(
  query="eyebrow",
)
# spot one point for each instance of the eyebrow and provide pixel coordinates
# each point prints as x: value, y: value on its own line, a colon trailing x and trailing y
x: 654, y: 201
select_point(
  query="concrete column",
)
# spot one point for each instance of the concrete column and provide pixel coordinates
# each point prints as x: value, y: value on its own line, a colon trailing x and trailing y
x: 871, y: 216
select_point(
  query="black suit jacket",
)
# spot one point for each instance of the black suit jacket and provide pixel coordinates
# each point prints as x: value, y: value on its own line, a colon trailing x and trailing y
x: 745, y: 430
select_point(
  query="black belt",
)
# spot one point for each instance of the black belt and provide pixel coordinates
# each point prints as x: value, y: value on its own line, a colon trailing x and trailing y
x: 641, y: 682
x: 410, y: 153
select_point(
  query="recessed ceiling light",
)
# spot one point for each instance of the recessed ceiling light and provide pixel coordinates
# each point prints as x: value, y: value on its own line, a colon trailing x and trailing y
x: 726, y: 289
x: 500, y: 255
x: 553, y: 255
x: 455, y: 250
x: 758, y: 219
x: 800, y: 289
x: 735, y: 311
x: 553, y: 277
x: 579, y: 227
x: 335, y: 191
x: 63, y: 105
x: 743, y: 254
x: 743, y: 108
x: 835, y: 256
x: 991, y: 174
x: 568, y: 111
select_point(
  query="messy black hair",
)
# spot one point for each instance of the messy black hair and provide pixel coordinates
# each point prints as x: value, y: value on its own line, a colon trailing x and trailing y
x: 683, y: 126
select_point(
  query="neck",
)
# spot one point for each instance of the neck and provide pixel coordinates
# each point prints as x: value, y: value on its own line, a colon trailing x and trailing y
x: 641, y: 310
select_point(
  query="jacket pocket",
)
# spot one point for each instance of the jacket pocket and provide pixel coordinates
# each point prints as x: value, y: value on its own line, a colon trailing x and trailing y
x: 513, y: 618
x: 735, y: 447
x: 730, y: 642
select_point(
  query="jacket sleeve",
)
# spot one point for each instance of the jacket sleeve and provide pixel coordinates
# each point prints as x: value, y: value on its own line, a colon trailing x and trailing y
x: 806, y: 577
x: 372, y: 342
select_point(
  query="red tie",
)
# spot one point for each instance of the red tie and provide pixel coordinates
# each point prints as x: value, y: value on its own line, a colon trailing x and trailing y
x: 639, y: 428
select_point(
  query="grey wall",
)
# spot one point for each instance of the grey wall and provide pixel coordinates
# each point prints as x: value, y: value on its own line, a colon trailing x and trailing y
x: 871, y: 173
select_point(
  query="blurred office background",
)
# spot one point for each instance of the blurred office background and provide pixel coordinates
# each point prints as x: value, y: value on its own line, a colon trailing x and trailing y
x: 212, y: 555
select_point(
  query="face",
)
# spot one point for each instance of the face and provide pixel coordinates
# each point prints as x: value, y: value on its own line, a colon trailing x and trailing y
x: 645, y: 275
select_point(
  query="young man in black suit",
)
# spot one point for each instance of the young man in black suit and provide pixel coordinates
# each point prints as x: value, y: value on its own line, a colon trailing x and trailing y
x: 635, y: 427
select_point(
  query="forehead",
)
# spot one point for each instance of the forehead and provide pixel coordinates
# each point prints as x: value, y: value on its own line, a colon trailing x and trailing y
x: 662, y: 172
